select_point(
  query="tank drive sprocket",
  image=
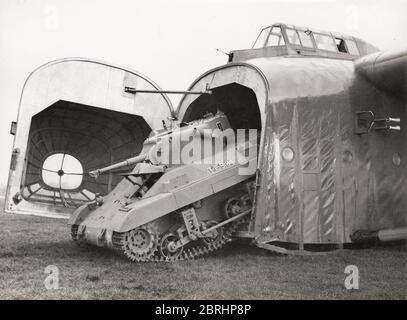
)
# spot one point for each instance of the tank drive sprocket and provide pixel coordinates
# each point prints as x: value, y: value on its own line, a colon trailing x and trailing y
x: 139, y: 244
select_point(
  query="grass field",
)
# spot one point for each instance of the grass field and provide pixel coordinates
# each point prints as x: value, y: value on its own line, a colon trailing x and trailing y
x: 28, y: 244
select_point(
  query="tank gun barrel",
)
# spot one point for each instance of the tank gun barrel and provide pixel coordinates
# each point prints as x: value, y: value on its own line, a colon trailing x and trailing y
x: 125, y: 163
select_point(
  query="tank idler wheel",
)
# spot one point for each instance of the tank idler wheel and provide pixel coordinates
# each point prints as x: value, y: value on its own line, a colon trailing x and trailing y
x: 167, y: 249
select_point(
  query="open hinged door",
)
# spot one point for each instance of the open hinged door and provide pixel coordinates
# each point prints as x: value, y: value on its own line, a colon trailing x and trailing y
x: 300, y: 192
x: 74, y: 116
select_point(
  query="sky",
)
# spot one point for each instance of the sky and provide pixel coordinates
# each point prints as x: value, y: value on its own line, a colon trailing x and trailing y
x: 172, y: 42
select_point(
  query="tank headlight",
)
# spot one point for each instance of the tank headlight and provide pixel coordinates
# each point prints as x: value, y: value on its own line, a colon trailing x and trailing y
x: 288, y: 154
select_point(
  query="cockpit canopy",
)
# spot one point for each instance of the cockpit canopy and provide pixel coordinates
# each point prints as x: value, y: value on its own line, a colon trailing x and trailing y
x: 283, y: 39
x: 282, y: 34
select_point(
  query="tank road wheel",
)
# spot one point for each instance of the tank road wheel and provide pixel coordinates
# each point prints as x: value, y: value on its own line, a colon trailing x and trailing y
x: 166, y: 250
x: 213, y: 238
x: 140, y: 244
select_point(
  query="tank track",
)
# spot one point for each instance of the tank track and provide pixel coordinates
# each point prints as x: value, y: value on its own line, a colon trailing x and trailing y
x: 192, y: 251
x: 147, y: 244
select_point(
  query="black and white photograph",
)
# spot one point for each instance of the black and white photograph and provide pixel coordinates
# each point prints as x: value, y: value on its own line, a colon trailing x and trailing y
x: 210, y: 150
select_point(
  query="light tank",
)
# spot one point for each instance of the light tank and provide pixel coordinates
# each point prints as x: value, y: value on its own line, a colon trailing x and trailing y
x: 174, y: 204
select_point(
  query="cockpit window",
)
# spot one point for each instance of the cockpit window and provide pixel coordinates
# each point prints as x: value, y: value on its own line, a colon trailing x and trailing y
x: 293, y: 37
x: 306, y: 39
x: 299, y: 37
x: 261, y: 39
x: 353, y: 49
x: 275, y: 38
x: 340, y: 44
x: 325, y: 42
